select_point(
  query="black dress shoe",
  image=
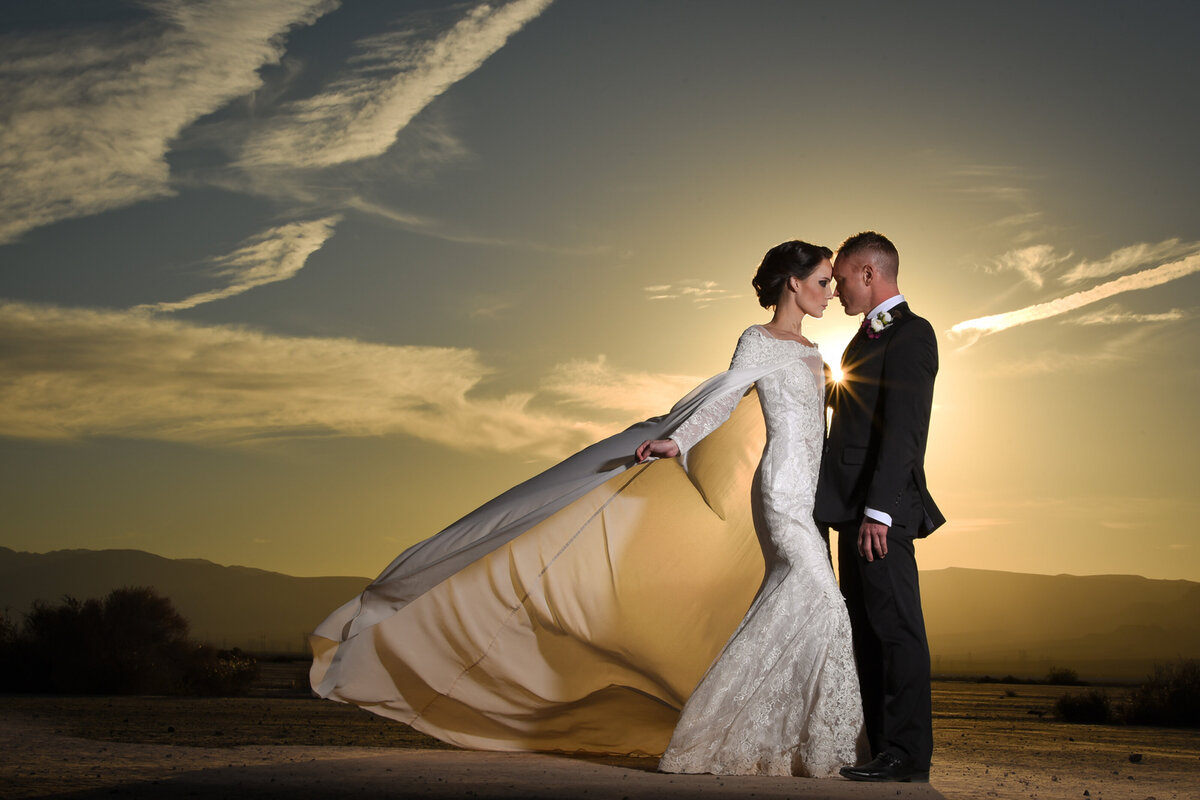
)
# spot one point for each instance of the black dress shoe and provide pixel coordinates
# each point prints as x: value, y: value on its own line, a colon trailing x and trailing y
x: 886, y: 767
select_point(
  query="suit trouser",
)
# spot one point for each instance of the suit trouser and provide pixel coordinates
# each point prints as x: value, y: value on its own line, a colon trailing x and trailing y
x: 883, y: 598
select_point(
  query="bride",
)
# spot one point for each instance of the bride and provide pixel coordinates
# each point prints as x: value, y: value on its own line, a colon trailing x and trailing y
x: 582, y: 609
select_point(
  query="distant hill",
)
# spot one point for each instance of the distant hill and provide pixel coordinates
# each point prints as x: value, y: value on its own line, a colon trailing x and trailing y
x: 1103, y: 626
x: 979, y: 621
x: 227, y: 606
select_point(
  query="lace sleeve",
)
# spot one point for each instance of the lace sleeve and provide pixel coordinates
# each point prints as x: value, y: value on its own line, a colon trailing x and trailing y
x: 709, y: 417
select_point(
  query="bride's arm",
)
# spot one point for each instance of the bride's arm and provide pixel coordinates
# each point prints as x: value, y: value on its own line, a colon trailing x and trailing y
x: 656, y: 448
x: 703, y: 421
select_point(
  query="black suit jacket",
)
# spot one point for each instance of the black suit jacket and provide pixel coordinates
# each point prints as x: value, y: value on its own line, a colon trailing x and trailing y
x: 875, y: 453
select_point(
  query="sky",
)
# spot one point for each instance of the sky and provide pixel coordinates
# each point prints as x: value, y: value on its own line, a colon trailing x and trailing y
x: 293, y: 284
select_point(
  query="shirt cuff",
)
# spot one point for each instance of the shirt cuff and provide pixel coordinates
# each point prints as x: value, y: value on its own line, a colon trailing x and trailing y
x: 879, y: 516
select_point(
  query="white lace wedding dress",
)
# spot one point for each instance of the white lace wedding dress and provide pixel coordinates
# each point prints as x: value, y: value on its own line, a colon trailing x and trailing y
x: 783, y: 697
x: 579, y: 610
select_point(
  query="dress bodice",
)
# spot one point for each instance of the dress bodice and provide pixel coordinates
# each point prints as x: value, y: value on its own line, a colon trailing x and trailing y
x: 792, y: 397
x: 792, y: 400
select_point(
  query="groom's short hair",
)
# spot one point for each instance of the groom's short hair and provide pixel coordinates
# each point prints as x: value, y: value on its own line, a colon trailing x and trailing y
x: 889, y: 258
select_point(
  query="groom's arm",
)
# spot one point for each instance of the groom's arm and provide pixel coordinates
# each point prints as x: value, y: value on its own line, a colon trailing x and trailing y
x: 909, y: 370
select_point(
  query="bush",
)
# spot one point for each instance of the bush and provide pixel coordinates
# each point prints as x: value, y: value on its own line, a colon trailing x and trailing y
x: 131, y: 642
x: 221, y: 673
x: 1063, y: 676
x: 1170, y: 696
x: 1093, y: 707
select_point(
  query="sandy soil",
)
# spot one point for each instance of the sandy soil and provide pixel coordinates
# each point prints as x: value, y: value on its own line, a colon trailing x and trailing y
x: 993, y: 741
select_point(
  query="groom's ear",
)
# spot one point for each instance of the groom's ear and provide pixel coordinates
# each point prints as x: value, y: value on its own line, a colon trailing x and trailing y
x: 868, y: 272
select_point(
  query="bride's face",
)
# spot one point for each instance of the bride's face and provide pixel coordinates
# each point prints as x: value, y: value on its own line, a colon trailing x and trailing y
x: 814, y: 292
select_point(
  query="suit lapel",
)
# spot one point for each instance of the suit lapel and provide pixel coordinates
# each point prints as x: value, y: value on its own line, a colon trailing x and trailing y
x: 859, y: 351
x: 899, y: 312
x: 854, y: 346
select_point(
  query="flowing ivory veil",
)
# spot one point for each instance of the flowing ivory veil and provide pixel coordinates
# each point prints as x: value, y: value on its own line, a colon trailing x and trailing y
x: 575, y: 612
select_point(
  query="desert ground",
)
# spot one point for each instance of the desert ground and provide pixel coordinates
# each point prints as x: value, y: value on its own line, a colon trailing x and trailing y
x: 993, y: 741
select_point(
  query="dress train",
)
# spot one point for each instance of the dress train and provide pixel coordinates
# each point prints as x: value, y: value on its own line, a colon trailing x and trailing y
x: 580, y: 610
x: 587, y: 630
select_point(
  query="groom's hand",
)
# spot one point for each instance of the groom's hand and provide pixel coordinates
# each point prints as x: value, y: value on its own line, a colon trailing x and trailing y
x: 872, y: 539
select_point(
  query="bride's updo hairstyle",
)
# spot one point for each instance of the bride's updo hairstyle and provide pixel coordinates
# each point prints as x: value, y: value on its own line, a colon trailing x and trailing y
x: 782, y: 262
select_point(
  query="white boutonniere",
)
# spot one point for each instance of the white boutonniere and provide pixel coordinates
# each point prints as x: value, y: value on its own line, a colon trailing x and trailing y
x: 880, y: 322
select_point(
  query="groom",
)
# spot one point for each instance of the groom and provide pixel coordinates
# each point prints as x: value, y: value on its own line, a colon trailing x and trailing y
x: 872, y: 492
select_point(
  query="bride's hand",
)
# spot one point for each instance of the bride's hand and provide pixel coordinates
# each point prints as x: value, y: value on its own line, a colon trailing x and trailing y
x: 658, y: 448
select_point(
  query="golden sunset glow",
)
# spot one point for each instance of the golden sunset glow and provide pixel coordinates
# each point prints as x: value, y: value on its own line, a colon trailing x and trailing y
x: 286, y: 286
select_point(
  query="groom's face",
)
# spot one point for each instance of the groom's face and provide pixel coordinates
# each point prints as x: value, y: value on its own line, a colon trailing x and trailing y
x: 848, y: 278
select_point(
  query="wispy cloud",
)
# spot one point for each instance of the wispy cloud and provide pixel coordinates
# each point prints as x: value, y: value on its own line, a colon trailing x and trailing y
x: 1018, y: 220
x: 272, y: 256
x: 393, y: 77
x: 1146, y: 279
x: 596, y: 384
x: 1123, y: 349
x: 487, y: 307
x: 699, y: 292
x: 72, y: 372
x: 1116, y: 315
x: 1117, y: 525
x: 971, y: 525
x: 999, y: 184
x: 438, y: 229
x: 1002, y: 191
x: 88, y: 115
x: 1031, y: 263
x: 1127, y: 258
x: 992, y: 181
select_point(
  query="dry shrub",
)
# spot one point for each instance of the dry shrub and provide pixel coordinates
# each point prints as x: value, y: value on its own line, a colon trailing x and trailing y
x: 1064, y: 676
x: 223, y: 673
x: 1170, y: 696
x: 131, y: 642
x: 1092, y: 707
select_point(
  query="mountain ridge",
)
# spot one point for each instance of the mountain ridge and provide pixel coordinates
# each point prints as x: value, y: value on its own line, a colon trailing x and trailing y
x: 228, y: 606
x: 1104, y: 626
